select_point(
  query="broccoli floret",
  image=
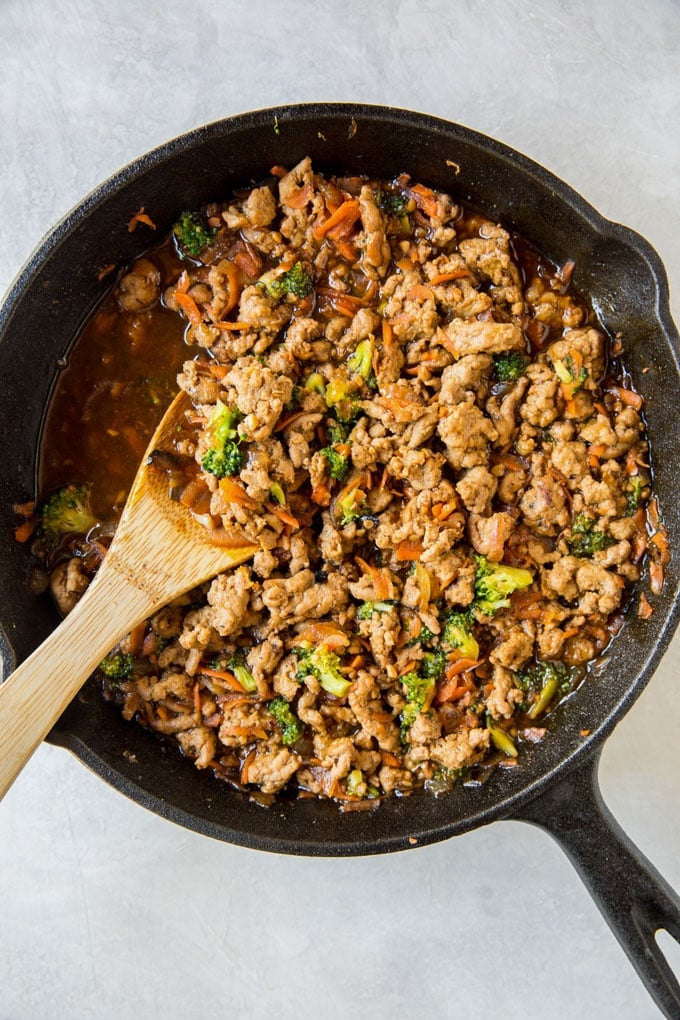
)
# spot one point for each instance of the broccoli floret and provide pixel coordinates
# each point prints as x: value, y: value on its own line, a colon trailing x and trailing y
x: 418, y: 692
x: 392, y: 202
x: 494, y: 582
x: 424, y: 637
x: 585, y: 538
x: 360, y: 362
x: 542, y: 681
x: 291, y: 727
x: 192, y: 234
x: 117, y: 666
x: 318, y: 661
x: 356, y: 786
x: 67, y: 511
x: 315, y: 383
x: 433, y: 664
x: 345, y: 407
x: 224, y: 458
x: 634, y: 495
x: 338, y: 464
x: 510, y: 365
x: 296, y: 281
x: 367, y: 609
x: 223, y: 463
x: 237, y: 664
x: 457, y: 635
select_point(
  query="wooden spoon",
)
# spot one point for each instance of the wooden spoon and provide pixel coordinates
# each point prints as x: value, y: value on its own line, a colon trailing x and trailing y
x: 159, y: 551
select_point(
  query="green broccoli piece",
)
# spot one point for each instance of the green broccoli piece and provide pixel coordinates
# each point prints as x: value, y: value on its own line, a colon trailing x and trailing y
x: 238, y: 666
x: 356, y: 786
x: 66, y: 512
x: 224, y: 458
x: 338, y: 464
x: 192, y: 234
x: 291, y: 727
x: 117, y: 666
x: 367, y: 609
x: 510, y: 365
x: 425, y: 637
x: 360, y: 362
x: 585, y: 538
x: 318, y: 661
x: 542, y: 681
x: 392, y: 202
x: 433, y: 664
x: 351, y: 506
x: 634, y: 495
x: 494, y: 582
x: 457, y: 635
x: 418, y: 691
x: 296, y: 281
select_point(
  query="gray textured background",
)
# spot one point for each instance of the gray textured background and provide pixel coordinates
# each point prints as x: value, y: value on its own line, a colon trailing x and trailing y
x: 105, y: 910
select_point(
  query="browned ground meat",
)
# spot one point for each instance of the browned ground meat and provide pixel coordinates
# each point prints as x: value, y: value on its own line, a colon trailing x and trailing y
x: 449, y: 511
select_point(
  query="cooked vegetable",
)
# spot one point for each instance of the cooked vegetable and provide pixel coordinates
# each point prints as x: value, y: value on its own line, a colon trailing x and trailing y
x: 392, y: 202
x: 494, y: 582
x: 502, y: 741
x: 543, y: 681
x: 368, y: 609
x: 338, y: 463
x: 361, y: 361
x: 325, y: 666
x: 67, y: 511
x: 238, y: 666
x: 192, y: 234
x: 510, y: 365
x: 291, y: 727
x: 418, y: 691
x: 586, y: 538
x: 634, y: 491
x: 457, y: 635
x: 433, y: 664
x: 571, y: 372
x: 224, y: 458
x: 295, y: 281
x: 117, y: 666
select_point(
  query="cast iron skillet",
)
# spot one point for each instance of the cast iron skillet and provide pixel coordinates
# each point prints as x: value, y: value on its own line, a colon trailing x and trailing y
x: 556, y: 785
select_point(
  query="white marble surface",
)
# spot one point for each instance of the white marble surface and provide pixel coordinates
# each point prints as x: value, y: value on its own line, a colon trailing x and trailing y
x: 105, y: 910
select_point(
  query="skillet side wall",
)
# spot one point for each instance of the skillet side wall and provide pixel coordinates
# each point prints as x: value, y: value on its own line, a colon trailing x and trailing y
x: 58, y: 288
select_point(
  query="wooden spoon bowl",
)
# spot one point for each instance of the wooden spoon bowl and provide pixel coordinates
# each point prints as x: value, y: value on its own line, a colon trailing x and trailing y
x: 159, y: 551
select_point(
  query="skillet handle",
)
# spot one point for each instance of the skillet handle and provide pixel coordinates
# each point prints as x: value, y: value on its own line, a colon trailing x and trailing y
x: 634, y: 898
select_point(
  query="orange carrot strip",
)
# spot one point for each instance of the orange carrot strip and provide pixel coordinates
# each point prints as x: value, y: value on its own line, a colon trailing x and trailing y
x: 278, y: 171
x: 452, y: 690
x: 140, y: 217
x: 462, y: 666
x: 219, y: 371
x: 347, y: 249
x: 321, y: 495
x: 329, y: 634
x: 24, y: 531
x: 381, y: 584
x: 283, y: 514
x: 419, y: 292
x: 299, y: 198
x: 627, y: 397
x: 197, y: 700
x: 246, y: 767
x: 425, y: 199
x: 348, y: 211
x: 455, y: 274
x: 644, y: 608
x: 408, y: 550
x: 233, y: 275
x: 183, y: 283
x: 231, y: 326
x: 219, y: 674
x: 387, y: 758
x: 189, y: 307
x: 235, y: 493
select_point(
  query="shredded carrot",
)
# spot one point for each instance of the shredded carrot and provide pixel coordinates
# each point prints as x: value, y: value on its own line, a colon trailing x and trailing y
x: 283, y: 515
x: 219, y: 371
x: 347, y: 213
x: 233, y: 492
x: 462, y: 666
x: 141, y: 217
x: 189, y: 307
x: 245, y: 768
x: 452, y: 690
x: 656, y: 577
x: 347, y: 249
x: 357, y: 662
x: 381, y: 584
x: 644, y: 608
x: 653, y: 512
x: 321, y: 495
x: 197, y: 701
x: 387, y: 333
x: 419, y: 292
x: 387, y: 758
x: 105, y: 270
x: 248, y: 262
x: 571, y: 632
x: 329, y: 634
x: 234, y: 279
x: 407, y: 550
x: 24, y: 531
x: 455, y: 274
x: 299, y: 198
x: 278, y: 171
x: 405, y: 265
x: 224, y: 675
x: 183, y: 283
x: 627, y: 397
x: 425, y: 198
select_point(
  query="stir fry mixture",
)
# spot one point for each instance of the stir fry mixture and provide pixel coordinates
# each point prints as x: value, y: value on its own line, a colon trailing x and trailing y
x: 441, y: 461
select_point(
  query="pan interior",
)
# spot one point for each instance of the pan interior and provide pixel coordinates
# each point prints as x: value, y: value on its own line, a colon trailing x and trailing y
x: 58, y: 288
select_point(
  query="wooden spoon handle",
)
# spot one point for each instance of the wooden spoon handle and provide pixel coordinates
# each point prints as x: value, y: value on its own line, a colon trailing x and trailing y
x: 35, y: 695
